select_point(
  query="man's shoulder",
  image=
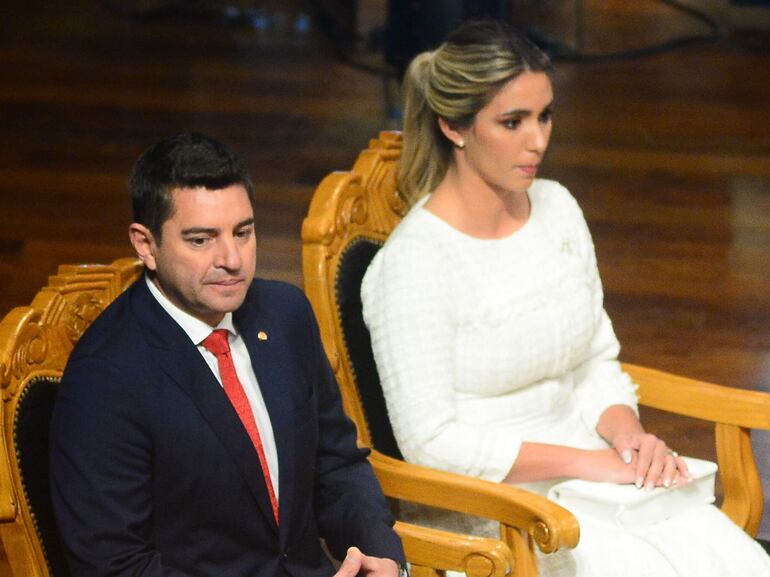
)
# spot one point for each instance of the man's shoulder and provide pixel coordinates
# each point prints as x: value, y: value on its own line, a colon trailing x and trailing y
x: 275, y: 296
x: 271, y: 287
x: 114, y: 332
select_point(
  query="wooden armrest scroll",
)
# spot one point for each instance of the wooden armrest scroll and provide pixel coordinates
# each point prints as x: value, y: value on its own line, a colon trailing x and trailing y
x: 550, y: 526
x: 429, y: 550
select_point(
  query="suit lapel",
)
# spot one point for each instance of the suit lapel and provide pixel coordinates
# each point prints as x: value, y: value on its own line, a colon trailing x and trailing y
x: 180, y: 360
x: 265, y: 349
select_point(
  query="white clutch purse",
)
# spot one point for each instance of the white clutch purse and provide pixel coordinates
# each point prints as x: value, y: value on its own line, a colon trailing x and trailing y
x: 628, y: 507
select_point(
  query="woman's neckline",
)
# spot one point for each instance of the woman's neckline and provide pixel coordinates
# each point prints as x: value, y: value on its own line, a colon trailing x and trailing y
x: 518, y: 233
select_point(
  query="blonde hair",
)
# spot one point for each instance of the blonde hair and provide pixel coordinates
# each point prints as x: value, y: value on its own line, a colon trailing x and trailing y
x: 454, y: 82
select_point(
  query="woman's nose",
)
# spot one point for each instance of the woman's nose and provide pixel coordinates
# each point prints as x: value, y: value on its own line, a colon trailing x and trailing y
x: 538, y: 139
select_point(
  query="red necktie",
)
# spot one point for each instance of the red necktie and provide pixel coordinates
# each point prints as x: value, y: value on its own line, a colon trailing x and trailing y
x: 218, y: 344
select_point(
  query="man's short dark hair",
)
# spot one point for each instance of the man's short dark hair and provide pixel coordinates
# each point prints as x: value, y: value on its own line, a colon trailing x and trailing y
x: 187, y: 160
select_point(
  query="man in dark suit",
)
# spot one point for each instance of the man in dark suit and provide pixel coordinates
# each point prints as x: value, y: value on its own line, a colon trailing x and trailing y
x: 198, y: 429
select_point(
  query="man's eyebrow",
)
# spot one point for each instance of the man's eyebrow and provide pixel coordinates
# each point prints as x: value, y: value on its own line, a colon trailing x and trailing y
x: 199, y: 230
x: 247, y: 222
x: 212, y: 230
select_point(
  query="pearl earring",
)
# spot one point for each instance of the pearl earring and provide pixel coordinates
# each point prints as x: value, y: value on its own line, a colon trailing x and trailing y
x: 461, y: 144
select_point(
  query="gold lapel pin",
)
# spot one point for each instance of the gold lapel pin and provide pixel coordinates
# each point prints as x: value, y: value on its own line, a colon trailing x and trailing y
x: 262, y: 335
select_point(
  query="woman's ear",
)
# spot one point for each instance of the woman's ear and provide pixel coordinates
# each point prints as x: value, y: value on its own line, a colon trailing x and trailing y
x: 451, y: 133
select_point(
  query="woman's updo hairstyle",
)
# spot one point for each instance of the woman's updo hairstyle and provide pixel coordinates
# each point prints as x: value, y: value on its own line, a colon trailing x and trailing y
x: 454, y: 82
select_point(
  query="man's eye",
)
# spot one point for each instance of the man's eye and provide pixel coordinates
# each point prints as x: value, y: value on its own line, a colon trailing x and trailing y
x: 244, y: 233
x: 197, y: 241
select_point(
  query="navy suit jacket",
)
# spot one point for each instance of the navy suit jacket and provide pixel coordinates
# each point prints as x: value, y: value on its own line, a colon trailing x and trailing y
x: 153, y: 473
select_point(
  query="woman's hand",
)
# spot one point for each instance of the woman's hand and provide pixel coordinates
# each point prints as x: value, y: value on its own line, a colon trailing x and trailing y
x: 647, y: 468
x: 635, y: 457
x: 654, y: 463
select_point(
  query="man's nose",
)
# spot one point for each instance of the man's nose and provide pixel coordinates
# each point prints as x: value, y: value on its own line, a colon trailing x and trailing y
x: 228, y: 256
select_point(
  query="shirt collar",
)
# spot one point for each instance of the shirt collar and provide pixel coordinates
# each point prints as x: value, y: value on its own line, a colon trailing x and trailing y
x: 195, y: 328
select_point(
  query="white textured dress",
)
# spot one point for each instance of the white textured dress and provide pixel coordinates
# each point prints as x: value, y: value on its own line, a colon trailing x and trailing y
x: 483, y: 344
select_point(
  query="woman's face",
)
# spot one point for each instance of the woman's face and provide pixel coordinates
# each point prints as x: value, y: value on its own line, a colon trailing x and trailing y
x: 509, y: 136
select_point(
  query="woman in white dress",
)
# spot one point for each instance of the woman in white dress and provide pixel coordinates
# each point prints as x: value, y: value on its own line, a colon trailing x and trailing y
x: 496, y: 356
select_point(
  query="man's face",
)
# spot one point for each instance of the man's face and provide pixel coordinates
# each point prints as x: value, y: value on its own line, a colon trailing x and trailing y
x: 206, y: 259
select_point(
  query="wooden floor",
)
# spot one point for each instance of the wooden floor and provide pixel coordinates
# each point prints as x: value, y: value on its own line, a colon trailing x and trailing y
x: 669, y: 156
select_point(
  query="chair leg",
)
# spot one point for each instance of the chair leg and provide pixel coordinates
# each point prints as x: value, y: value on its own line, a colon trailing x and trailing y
x: 523, y: 551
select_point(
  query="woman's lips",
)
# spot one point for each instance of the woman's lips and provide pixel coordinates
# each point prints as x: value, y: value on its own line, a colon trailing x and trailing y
x: 529, y: 169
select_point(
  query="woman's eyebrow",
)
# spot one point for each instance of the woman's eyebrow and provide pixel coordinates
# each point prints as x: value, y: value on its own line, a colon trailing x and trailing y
x: 523, y: 111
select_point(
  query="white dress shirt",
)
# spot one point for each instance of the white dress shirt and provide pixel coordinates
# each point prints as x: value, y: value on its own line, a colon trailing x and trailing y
x: 198, y: 330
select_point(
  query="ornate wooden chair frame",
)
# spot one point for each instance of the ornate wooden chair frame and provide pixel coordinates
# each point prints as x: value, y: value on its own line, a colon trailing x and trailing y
x: 364, y: 205
x: 35, y: 343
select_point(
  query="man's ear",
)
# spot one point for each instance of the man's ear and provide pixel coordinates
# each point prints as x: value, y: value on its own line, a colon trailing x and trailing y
x: 451, y: 133
x: 144, y: 244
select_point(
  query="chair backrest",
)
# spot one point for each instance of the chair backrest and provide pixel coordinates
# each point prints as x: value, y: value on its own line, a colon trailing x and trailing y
x: 350, y: 216
x: 35, y: 343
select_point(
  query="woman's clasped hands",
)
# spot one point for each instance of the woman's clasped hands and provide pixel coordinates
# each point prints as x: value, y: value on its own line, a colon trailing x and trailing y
x: 649, y: 461
x: 635, y: 456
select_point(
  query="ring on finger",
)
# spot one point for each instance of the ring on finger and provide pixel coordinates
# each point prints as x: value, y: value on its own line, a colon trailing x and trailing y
x: 673, y: 453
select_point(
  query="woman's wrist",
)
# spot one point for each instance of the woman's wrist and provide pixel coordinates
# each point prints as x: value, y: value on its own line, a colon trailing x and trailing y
x: 578, y: 465
x: 618, y: 423
x: 542, y: 461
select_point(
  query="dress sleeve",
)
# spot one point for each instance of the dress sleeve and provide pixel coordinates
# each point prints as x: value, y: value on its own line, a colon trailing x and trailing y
x: 407, y: 299
x: 599, y: 380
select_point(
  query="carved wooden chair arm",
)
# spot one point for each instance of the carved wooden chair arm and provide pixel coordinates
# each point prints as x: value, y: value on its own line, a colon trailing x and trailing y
x: 699, y: 399
x: 550, y: 526
x: 428, y: 550
x: 735, y: 412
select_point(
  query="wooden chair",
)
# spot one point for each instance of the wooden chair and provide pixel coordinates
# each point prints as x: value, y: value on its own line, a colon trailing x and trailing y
x: 350, y: 216
x: 35, y: 342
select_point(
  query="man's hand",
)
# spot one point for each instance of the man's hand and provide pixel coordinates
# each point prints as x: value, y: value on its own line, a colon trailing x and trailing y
x: 356, y: 562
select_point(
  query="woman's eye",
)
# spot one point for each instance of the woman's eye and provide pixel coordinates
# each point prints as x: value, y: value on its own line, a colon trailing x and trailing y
x: 512, y: 123
x: 546, y: 116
